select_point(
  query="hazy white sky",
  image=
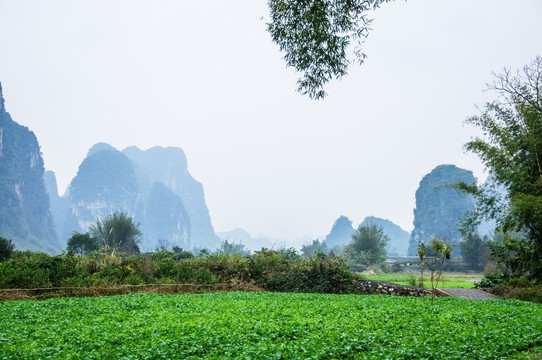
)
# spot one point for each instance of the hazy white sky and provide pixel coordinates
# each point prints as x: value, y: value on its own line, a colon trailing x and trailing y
x: 204, y: 75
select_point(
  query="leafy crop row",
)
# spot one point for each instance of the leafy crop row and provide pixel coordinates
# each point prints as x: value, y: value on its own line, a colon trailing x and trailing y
x: 266, y: 326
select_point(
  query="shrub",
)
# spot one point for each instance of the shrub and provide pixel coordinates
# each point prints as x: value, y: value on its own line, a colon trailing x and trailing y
x: 133, y: 279
x: 62, y: 267
x: 520, y: 282
x: 6, y: 248
x: 83, y: 244
x: 179, y: 253
x: 490, y: 282
x: 282, y: 270
x: 25, y: 270
x: 166, y: 268
x: 533, y: 293
x: 490, y: 270
x: 226, y: 267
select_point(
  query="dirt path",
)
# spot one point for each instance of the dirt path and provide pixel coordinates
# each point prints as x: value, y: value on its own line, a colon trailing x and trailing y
x: 472, y: 294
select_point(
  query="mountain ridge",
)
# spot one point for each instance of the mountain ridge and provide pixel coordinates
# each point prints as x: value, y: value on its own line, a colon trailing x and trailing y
x: 25, y: 215
x: 153, y: 186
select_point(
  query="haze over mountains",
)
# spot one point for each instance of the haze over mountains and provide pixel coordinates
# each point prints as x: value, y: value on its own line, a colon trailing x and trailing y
x: 437, y: 214
x: 342, y: 231
x: 439, y: 208
x: 155, y: 188
x: 241, y: 236
x: 340, y: 235
x: 24, y: 207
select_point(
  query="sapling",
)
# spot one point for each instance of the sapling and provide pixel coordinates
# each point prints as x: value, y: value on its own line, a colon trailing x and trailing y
x: 433, y: 254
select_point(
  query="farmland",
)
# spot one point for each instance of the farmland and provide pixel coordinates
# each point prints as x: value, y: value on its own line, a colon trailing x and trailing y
x: 450, y: 280
x: 263, y: 325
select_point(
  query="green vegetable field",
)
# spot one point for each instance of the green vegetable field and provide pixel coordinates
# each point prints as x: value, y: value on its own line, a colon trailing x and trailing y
x: 262, y: 325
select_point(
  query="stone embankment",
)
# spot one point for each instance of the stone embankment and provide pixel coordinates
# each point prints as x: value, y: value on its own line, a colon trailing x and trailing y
x: 366, y: 287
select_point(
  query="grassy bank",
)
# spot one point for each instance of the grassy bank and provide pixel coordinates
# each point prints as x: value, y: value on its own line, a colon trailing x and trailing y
x: 450, y: 280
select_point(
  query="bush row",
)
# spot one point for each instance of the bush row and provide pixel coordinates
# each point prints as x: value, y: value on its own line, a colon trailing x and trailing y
x: 271, y: 270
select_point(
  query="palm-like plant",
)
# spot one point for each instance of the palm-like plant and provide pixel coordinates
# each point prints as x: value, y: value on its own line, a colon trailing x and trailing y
x: 118, y: 233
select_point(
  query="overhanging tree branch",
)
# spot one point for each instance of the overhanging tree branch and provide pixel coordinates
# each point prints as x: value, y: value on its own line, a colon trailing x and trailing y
x: 316, y: 37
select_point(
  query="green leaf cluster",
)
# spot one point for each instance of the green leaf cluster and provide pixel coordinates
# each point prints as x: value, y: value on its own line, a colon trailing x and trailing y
x: 368, y: 245
x: 316, y: 35
x: 316, y: 247
x: 83, y: 244
x: 117, y: 233
x: 474, y: 251
x: 6, y: 248
x: 511, y: 149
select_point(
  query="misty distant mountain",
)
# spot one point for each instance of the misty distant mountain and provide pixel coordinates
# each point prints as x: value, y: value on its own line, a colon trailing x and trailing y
x: 105, y: 183
x: 58, y: 205
x: 240, y: 236
x: 342, y: 231
x: 237, y: 235
x: 24, y: 205
x: 340, y: 234
x: 169, y: 167
x: 166, y: 218
x: 256, y: 243
x: 153, y: 186
x: 439, y: 208
x: 398, y: 244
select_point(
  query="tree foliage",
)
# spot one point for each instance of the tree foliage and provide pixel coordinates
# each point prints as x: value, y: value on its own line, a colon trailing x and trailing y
x: 316, y: 37
x: 511, y: 149
x: 313, y: 249
x: 432, y: 255
x: 83, y: 244
x: 117, y: 233
x: 233, y: 248
x: 368, y: 245
x: 509, y: 252
x: 6, y: 248
x: 180, y: 253
x: 474, y: 251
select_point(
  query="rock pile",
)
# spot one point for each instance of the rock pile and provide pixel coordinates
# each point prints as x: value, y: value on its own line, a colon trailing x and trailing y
x: 366, y: 287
